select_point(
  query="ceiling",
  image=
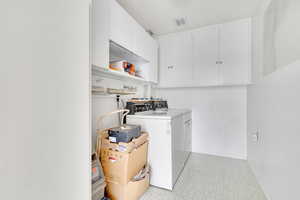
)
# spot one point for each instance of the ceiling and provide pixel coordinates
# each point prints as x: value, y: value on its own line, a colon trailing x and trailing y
x: 159, y: 15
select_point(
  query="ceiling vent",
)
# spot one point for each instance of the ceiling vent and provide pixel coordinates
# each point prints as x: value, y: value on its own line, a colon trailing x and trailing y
x: 180, y: 22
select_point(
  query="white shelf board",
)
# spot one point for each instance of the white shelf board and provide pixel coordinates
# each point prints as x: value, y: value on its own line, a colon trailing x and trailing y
x: 116, y: 75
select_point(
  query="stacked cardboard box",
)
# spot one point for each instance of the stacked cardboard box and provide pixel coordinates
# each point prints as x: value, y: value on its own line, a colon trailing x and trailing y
x: 125, y: 167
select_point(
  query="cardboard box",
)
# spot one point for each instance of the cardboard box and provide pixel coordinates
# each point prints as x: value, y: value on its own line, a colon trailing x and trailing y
x: 121, y: 146
x: 121, y: 167
x: 131, y: 191
x: 102, y: 140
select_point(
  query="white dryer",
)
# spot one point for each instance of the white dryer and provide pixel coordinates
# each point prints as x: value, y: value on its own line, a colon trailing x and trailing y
x: 170, y: 136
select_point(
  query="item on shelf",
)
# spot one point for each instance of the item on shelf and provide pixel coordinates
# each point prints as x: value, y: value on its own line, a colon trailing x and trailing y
x: 116, y: 75
x: 127, y: 67
x: 120, y: 91
x: 132, y: 69
x: 130, y: 89
x: 98, y: 89
x: 114, y: 91
x: 119, y: 66
x: 124, y: 133
x: 133, y: 190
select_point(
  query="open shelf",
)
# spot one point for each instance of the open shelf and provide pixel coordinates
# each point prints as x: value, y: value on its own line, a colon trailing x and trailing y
x: 118, y: 53
x: 111, y: 91
x: 108, y: 73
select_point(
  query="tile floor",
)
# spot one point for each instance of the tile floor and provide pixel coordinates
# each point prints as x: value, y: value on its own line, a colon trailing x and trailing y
x: 211, y: 178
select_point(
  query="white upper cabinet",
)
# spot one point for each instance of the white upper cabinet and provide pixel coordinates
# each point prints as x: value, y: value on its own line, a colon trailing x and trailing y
x: 205, y: 54
x: 152, y: 52
x: 210, y: 56
x: 154, y: 60
x: 100, y: 33
x: 121, y: 26
x: 126, y: 32
x: 176, y: 60
x: 111, y: 22
x: 166, y: 60
x: 141, y: 42
x: 235, y: 52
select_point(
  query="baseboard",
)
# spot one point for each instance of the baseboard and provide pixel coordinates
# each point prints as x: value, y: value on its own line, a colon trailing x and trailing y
x: 239, y: 157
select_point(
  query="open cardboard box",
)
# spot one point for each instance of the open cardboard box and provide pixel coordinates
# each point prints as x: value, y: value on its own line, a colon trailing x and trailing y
x: 130, y: 191
x: 121, y: 167
x: 122, y: 146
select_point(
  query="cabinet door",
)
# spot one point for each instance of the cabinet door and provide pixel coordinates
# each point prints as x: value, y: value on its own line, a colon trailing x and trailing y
x: 153, y: 61
x: 142, y: 40
x: 121, y: 26
x: 235, y: 52
x: 178, y: 152
x: 187, y: 124
x: 188, y: 135
x: 166, y: 60
x: 205, y: 56
x: 176, y: 59
x: 149, y: 70
x: 100, y: 33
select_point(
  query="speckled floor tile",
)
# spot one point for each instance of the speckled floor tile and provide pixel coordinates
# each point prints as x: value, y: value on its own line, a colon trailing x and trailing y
x: 211, y: 178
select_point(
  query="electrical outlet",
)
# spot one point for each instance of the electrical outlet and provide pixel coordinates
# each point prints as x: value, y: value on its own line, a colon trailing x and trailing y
x: 255, y: 136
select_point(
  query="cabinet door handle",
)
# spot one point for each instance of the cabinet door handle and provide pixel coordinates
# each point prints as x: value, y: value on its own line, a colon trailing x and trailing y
x: 170, y: 67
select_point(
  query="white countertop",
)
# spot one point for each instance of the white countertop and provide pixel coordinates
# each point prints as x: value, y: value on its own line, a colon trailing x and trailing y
x: 171, y: 113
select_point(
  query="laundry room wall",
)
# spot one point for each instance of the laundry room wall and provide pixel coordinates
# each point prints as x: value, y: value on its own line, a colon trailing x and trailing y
x: 44, y: 104
x: 219, y: 118
x: 273, y: 100
x: 102, y: 104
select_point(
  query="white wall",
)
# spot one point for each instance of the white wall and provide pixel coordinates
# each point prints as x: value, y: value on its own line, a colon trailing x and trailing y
x: 287, y: 32
x: 273, y: 109
x: 276, y: 28
x: 219, y: 118
x: 273, y: 103
x: 44, y: 103
x: 102, y: 104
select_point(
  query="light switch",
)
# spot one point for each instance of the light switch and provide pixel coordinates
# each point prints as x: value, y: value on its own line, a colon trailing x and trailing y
x: 255, y: 136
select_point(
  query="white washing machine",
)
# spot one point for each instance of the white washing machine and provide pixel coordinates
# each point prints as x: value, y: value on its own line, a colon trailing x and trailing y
x: 170, y: 136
